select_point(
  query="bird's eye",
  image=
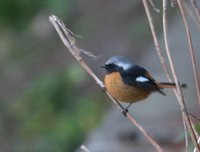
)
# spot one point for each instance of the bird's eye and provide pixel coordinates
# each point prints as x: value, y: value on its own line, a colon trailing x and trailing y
x: 111, y: 65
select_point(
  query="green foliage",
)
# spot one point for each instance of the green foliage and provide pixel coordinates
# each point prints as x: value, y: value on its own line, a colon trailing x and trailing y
x: 52, y: 115
x: 18, y: 13
x: 198, y: 128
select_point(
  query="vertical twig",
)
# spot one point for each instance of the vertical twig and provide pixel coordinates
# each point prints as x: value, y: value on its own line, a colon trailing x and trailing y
x: 195, y: 150
x: 192, y: 52
x: 84, y: 148
x: 196, y: 133
x: 155, y: 38
x: 160, y: 55
x: 196, y: 8
x: 190, y: 13
x: 70, y: 43
x: 181, y: 99
x: 186, y: 135
x: 157, y: 46
x: 154, y: 6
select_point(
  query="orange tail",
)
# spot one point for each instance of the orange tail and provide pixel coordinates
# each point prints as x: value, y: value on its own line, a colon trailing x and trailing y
x: 170, y: 85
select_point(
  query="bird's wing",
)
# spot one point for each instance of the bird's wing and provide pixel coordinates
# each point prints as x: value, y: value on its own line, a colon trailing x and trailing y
x: 136, y: 75
x: 139, y: 77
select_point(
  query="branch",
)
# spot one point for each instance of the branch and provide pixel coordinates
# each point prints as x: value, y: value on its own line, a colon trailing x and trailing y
x: 154, y: 6
x: 69, y: 41
x: 195, y: 150
x: 196, y: 8
x: 192, y: 14
x: 161, y: 57
x: 155, y: 38
x: 84, y: 148
x: 179, y: 91
x: 191, y: 48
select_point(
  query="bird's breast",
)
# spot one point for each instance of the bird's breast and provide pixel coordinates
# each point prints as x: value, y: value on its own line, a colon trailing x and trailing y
x: 121, y: 91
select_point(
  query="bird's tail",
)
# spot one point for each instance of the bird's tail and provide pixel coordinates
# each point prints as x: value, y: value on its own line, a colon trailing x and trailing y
x: 170, y: 85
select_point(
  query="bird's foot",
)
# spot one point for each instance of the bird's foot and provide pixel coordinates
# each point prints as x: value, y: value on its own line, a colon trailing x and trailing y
x: 124, y: 112
x: 103, y: 90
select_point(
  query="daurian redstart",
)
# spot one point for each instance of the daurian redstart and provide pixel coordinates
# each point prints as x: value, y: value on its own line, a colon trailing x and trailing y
x: 128, y: 82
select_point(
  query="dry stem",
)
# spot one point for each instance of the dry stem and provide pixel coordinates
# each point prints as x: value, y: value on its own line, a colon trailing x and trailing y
x: 69, y: 41
x: 155, y: 38
x: 84, y: 148
x: 196, y: 8
x: 192, y: 14
x: 179, y: 91
x: 161, y: 57
x: 191, y: 48
x: 154, y: 6
x: 195, y: 150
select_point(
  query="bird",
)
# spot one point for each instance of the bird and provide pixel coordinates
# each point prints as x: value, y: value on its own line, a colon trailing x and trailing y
x: 128, y: 82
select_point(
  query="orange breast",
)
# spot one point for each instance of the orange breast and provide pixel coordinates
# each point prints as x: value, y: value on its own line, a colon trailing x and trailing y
x: 121, y: 91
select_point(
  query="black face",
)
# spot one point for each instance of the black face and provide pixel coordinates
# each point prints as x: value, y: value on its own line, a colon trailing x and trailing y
x: 112, y: 68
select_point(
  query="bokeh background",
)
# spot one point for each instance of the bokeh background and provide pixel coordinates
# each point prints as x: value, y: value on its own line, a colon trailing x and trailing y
x: 48, y: 102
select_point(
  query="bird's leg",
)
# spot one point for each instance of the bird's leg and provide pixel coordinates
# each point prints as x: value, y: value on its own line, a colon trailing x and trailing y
x: 126, y: 109
x: 103, y: 90
x: 124, y: 112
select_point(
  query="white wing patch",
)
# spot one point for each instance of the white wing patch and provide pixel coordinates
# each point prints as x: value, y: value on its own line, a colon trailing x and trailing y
x: 141, y: 79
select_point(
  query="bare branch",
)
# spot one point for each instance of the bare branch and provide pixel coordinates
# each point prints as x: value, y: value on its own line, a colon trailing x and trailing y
x: 70, y: 43
x: 192, y: 52
x: 155, y: 38
x: 84, y: 148
x: 197, y: 118
x: 179, y: 91
x: 161, y: 57
x: 196, y: 8
x: 195, y: 150
x: 173, y: 3
x: 186, y: 135
x: 190, y: 12
x: 154, y: 6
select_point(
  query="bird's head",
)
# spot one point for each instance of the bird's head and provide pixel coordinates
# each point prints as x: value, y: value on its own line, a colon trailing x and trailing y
x: 117, y: 64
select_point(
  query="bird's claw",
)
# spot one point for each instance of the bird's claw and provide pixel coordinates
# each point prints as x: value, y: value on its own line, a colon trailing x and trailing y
x: 103, y: 90
x: 124, y: 112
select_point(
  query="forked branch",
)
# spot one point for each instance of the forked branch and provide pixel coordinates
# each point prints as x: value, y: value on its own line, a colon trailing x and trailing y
x: 68, y: 39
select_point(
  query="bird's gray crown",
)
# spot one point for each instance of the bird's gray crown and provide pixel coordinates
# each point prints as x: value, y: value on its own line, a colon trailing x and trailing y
x: 120, y: 61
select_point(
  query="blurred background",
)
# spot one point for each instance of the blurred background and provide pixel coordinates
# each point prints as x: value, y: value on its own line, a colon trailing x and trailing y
x: 48, y: 102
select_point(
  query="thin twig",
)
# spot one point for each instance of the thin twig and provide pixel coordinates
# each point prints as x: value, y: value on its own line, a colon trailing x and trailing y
x: 161, y: 57
x: 186, y: 135
x: 154, y: 6
x: 70, y: 42
x: 197, y: 118
x: 173, y: 3
x: 192, y: 52
x: 156, y: 43
x: 192, y: 14
x: 197, y: 136
x: 195, y: 150
x: 194, y: 128
x: 84, y: 148
x: 196, y: 8
x: 155, y: 38
x: 179, y: 91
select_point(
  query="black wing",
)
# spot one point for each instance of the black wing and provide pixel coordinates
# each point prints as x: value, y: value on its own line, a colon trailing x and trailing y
x: 139, y: 77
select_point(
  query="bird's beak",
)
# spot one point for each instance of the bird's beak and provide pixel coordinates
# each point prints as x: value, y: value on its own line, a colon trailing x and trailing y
x: 103, y: 66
